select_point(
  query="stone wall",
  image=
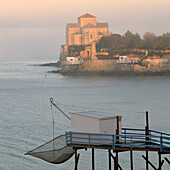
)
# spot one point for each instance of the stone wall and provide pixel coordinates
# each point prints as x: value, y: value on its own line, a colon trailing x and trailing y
x: 112, y: 68
x: 97, y: 65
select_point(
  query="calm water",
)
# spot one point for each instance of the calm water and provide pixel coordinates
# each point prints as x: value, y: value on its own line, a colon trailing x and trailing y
x: 26, y: 120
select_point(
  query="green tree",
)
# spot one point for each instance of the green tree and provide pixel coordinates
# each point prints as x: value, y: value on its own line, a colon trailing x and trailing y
x: 149, y: 39
x: 111, y: 42
x: 130, y: 40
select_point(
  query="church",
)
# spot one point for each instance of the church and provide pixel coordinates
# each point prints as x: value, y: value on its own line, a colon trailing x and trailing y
x: 85, y: 31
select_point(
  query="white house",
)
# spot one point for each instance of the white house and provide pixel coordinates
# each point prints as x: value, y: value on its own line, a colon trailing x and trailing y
x: 73, y: 60
x: 123, y: 59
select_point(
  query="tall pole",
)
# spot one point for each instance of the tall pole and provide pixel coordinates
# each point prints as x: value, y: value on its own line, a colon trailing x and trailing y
x: 117, y: 141
x: 147, y: 133
x: 117, y: 130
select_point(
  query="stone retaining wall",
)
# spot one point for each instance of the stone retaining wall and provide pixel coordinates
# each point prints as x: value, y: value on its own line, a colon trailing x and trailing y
x: 110, y: 66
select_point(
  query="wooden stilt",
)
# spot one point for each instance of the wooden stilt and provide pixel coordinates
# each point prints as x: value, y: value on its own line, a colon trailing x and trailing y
x: 161, y: 162
x: 159, y: 157
x: 131, y: 159
x: 93, y: 159
x: 147, y: 164
x: 150, y: 163
x: 109, y: 159
x: 116, y: 161
x: 167, y: 160
x: 75, y: 159
x: 114, y: 158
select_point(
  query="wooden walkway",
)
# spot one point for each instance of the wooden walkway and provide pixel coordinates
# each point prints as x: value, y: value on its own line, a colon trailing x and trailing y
x: 130, y: 140
x: 137, y: 141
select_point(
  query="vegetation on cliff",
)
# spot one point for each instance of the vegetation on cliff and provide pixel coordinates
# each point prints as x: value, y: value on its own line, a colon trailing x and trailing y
x: 133, y: 43
x: 129, y: 43
x: 74, y: 50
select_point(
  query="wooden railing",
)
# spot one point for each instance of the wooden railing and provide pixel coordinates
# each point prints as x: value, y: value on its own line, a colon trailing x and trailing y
x: 130, y: 138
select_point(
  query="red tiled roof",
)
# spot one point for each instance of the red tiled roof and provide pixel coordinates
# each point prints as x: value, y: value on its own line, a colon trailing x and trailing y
x: 87, y: 15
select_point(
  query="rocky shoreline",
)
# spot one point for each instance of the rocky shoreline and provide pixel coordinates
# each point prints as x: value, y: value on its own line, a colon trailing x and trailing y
x: 107, y: 69
x: 57, y: 64
x: 102, y: 73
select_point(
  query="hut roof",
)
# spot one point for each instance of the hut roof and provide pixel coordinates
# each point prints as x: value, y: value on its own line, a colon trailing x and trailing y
x: 95, y: 114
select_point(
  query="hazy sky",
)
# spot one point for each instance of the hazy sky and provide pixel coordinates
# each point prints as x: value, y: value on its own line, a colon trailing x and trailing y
x: 34, y: 29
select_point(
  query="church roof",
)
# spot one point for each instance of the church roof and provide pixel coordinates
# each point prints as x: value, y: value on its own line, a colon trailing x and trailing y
x: 87, y: 15
x: 73, y: 25
x: 95, y: 114
x: 89, y: 26
x: 103, y: 24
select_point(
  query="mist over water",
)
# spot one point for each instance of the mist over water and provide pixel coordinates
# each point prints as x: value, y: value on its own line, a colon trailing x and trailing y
x: 26, y: 120
x: 30, y: 44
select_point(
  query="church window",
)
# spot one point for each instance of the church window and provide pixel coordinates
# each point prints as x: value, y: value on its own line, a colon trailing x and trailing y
x: 88, y: 54
x: 91, y: 36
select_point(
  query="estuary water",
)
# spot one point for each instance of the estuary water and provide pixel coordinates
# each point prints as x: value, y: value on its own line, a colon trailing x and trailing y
x: 26, y: 118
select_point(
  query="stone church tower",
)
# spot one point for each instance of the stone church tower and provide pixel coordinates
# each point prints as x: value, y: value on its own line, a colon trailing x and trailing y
x: 85, y: 31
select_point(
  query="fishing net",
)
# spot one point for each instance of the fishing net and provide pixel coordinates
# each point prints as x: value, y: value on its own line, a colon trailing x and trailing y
x: 55, y: 151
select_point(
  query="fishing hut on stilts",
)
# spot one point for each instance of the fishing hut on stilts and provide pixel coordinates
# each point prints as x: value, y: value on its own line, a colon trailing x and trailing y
x: 98, y: 130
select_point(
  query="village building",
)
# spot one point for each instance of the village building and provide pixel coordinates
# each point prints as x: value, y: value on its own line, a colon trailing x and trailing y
x: 123, y: 59
x: 157, y: 61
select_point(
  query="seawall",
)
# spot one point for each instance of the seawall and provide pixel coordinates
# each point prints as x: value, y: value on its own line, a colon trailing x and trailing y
x: 110, y: 67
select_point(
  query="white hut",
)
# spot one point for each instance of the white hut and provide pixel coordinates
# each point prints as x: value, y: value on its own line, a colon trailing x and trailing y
x: 94, y: 122
x: 94, y: 127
